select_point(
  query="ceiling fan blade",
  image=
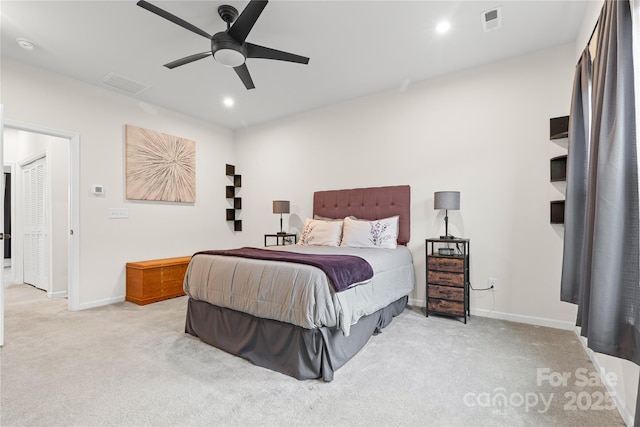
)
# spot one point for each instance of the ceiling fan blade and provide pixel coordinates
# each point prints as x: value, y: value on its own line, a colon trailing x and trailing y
x: 166, y: 15
x: 255, y: 51
x: 243, y: 72
x: 187, y: 59
x: 243, y: 25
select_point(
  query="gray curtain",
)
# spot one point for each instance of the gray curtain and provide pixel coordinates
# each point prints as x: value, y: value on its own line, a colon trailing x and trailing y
x: 577, y: 167
x: 609, y: 291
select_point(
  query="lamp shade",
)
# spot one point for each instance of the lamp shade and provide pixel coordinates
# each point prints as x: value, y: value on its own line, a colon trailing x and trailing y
x: 280, y: 206
x: 446, y: 200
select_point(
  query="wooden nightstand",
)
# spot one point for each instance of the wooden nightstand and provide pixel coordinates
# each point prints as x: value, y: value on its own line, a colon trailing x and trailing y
x: 156, y: 280
x: 447, y: 281
x: 281, y: 239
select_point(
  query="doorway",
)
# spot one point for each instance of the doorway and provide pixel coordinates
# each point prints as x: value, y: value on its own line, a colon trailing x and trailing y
x: 41, y: 223
x: 63, y: 242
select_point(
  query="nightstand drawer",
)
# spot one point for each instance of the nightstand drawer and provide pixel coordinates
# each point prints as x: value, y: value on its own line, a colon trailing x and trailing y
x: 444, y: 306
x: 445, y: 278
x: 443, y: 263
x: 446, y: 292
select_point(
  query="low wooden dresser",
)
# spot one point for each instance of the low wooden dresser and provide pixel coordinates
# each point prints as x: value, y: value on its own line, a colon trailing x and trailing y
x: 156, y: 280
x: 447, y: 281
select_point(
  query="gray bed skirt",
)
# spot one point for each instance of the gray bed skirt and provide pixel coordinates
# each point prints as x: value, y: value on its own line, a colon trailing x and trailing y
x: 282, y: 347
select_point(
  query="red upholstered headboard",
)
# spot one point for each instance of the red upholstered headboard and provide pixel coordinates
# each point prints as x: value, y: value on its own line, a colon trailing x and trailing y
x: 368, y: 203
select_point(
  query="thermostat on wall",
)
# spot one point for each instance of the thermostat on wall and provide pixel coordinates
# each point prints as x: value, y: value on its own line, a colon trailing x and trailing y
x: 98, y: 190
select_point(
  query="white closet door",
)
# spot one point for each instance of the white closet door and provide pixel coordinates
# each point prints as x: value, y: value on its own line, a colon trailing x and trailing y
x: 36, y: 256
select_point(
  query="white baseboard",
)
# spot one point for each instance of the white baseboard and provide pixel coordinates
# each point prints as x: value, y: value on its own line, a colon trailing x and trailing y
x: 531, y: 320
x: 520, y: 318
x: 416, y: 302
x: 59, y: 294
x: 621, y: 405
x: 100, y: 303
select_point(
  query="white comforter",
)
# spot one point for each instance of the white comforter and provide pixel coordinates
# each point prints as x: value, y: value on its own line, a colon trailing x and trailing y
x: 296, y: 293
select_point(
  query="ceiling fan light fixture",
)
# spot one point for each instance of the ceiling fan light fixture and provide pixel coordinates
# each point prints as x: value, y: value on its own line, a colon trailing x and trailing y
x: 229, y: 57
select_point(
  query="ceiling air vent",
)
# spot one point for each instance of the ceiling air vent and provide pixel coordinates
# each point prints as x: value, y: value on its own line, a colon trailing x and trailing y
x: 492, y: 19
x: 123, y: 84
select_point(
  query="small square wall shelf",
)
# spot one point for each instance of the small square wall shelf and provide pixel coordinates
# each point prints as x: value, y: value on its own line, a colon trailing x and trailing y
x: 558, y: 168
x: 559, y: 127
x: 557, y: 212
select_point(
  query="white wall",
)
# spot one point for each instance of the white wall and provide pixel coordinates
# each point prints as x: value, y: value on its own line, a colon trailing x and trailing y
x: 20, y: 145
x: 153, y: 230
x: 483, y: 131
x: 58, y: 206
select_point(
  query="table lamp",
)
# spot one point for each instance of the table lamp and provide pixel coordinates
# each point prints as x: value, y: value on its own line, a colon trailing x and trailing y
x: 446, y: 200
x: 281, y: 207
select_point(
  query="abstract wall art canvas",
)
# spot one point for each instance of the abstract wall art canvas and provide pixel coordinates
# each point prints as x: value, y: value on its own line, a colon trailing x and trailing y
x: 159, y: 167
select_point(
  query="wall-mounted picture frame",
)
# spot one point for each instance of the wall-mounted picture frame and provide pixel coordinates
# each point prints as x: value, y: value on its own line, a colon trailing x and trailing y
x: 159, y: 167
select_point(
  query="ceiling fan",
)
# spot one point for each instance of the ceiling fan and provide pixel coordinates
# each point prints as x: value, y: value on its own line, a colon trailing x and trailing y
x: 229, y: 47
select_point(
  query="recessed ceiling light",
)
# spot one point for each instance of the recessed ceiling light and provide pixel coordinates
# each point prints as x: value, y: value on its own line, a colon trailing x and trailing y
x: 443, y: 27
x: 228, y: 102
x: 26, y: 44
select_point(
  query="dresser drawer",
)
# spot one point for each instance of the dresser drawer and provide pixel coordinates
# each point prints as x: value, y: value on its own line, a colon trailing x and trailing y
x: 446, y: 292
x: 455, y: 308
x: 446, y: 263
x: 445, y: 278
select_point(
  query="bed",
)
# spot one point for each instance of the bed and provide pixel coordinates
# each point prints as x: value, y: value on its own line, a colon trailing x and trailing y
x: 289, y: 317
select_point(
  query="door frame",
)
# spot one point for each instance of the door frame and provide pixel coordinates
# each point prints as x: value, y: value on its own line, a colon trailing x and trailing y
x: 74, y: 206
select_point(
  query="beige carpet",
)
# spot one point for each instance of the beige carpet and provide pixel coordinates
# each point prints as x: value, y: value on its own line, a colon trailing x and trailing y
x: 130, y: 365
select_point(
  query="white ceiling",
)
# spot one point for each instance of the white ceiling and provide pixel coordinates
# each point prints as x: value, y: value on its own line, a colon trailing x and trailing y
x: 356, y: 48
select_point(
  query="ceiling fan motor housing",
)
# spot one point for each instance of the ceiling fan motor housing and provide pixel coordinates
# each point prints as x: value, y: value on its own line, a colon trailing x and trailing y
x: 227, y: 51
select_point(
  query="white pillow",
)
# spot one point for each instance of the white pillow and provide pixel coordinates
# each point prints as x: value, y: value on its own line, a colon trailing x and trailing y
x: 380, y: 233
x: 324, y: 218
x: 321, y: 233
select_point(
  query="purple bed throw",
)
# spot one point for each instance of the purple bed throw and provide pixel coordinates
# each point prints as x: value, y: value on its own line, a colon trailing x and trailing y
x: 343, y: 270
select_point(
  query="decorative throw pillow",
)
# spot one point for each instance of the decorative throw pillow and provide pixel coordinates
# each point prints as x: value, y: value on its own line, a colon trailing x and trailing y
x: 324, y: 218
x: 380, y: 233
x: 321, y: 233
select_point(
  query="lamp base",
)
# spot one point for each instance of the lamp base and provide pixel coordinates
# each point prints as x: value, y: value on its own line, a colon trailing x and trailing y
x: 447, y: 237
x: 281, y: 233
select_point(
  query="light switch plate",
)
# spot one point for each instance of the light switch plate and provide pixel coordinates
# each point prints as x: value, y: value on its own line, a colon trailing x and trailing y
x: 118, y: 213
